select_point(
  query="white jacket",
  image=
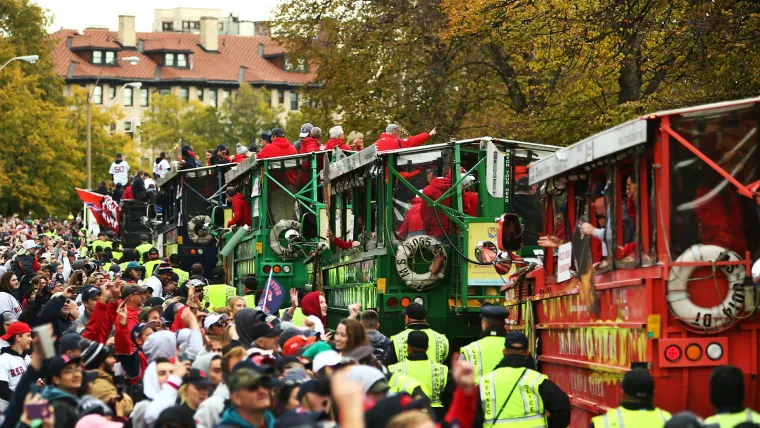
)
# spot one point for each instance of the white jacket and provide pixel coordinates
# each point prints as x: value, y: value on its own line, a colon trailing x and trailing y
x: 209, y: 414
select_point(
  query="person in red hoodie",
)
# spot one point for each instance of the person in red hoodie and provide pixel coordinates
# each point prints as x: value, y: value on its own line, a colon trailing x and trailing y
x: 242, y: 153
x: 391, y: 139
x: 282, y: 206
x: 337, y: 139
x: 311, y: 143
x: 435, y: 189
x: 241, y: 209
x: 412, y: 225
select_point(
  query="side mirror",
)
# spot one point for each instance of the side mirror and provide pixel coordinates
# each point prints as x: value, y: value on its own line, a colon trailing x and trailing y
x: 150, y: 212
x: 217, y: 216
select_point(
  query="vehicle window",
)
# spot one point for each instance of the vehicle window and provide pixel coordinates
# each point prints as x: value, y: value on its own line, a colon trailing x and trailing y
x: 559, y: 212
x: 284, y: 174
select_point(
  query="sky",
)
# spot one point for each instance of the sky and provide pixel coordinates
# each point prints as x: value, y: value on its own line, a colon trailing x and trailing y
x: 79, y: 14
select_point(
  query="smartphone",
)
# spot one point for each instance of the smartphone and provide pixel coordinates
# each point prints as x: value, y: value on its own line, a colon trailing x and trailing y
x: 37, y: 411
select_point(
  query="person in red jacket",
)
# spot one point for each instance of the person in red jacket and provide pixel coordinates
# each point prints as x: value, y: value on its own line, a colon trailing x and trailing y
x: 437, y: 187
x: 102, y: 319
x: 311, y: 143
x: 412, y: 225
x: 337, y: 139
x: 241, y: 209
x: 282, y: 206
x: 391, y: 139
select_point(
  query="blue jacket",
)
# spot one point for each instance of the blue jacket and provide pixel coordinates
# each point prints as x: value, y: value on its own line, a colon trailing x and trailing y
x: 231, y: 419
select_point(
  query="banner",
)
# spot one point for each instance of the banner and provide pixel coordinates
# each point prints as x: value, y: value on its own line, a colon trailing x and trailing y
x: 104, y: 208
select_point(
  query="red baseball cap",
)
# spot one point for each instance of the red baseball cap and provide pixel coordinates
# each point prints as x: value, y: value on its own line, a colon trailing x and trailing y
x: 293, y: 344
x: 16, y: 328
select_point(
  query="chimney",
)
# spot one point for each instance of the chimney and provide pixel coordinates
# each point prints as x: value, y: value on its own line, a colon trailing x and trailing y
x: 127, y: 36
x: 210, y: 33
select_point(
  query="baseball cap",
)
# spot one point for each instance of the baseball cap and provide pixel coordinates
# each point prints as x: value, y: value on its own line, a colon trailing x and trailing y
x: 293, y: 344
x: 598, y: 190
x: 174, y: 257
x: 179, y: 415
x: 143, y: 237
x: 29, y: 244
x: 246, y: 376
x: 314, y: 350
x: 638, y: 383
x: 265, y: 329
x: 90, y: 405
x: 89, y: 292
x: 687, y: 419
x: 415, y: 311
x: 69, y: 341
x: 324, y: 359
x: 489, y: 310
x: 372, y: 379
x: 516, y: 341
x: 58, y: 362
x: 277, y: 132
x: 198, y: 378
x: 130, y: 289
x: 214, y: 318
x: 317, y: 386
x: 153, y: 250
x: 133, y: 265
x: 390, y: 406
x: 417, y: 339
x: 16, y: 328
x: 138, y: 329
x: 148, y: 309
x: 305, y: 130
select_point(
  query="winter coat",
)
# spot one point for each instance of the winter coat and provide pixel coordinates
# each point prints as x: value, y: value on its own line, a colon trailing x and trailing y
x: 241, y: 211
x: 104, y: 389
x: 412, y: 219
x: 309, y: 145
x: 389, y: 142
x: 65, y: 406
x: 470, y: 203
x: 280, y: 146
x: 335, y: 142
x: 51, y: 313
x: 379, y: 342
x: 435, y: 190
x: 210, y: 411
x: 101, y: 322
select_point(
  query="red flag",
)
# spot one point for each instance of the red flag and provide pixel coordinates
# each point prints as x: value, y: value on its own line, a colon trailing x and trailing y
x: 105, y: 209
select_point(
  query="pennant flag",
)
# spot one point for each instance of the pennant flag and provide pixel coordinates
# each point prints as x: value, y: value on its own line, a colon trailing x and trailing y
x: 104, y: 208
x: 273, y: 296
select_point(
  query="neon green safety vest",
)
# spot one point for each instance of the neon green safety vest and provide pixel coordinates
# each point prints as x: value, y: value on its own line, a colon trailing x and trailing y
x: 621, y: 418
x: 431, y: 376
x: 217, y: 295
x: 150, y: 266
x: 438, y: 347
x: 123, y: 266
x: 298, y: 318
x: 183, y: 276
x: 402, y: 383
x: 250, y: 301
x: 116, y: 255
x: 525, y: 408
x: 101, y: 244
x: 142, y: 249
x: 730, y: 420
x: 485, y: 354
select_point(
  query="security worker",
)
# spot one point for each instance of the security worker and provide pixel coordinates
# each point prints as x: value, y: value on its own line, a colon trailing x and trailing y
x: 400, y: 382
x: 636, y: 408
x: 218, y: 292
x: 110, y: 236
x: 433, y: 377
x: 516, y: 395
x: 727, y: 396
x: 251, y: 297
x: 116, y: 251
x: 143, y: 248
x: 153, y: 261
x: 101, y: 242
x: 175, y: 261
x: 415, y: 315
x: 129, y: 255
x: 486, y: 352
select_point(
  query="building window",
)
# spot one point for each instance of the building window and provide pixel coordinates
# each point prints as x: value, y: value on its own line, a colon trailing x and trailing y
x: 181, y: 60
x: 167, y: 26
x: 143, y: 97
x: 128, y: 96
x: 128, y: 129
x: 212, y: 97
x: 281, y: 97
x: 288, y: 65
x: 293, y: 101
x: 111, y: 93
x: 97, y: 95
x: 97, y: 57
x: 110, y: 57
x: 200, y: 94
x: 184, y: 93
x: 301, y: 65
x: 225, y: 94
x: 169, y: 60
x: 191, y: 25
x: 164, y: 91
x: 113, y: 128
x: 221, y: 26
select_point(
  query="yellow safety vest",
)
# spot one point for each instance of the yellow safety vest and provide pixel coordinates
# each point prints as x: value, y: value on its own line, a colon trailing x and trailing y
x: 116, y: 255
x: 102, y: 244
x: 250, y: 301
x: 525, y: 408
x: 730, y: 420
x: 183, y: 276
x: 123, y: 266
x: 216, y: 295
x: 438, y: 345
x: 402, y: 383
x: 150, y: 266
x: 431, y: 376
x: 485, y: 354
x: 621, y: 418
x: 107, y: 266
x: 142, y: 249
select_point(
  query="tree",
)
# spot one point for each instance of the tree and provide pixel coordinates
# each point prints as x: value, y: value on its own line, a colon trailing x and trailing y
x: 246, y: 115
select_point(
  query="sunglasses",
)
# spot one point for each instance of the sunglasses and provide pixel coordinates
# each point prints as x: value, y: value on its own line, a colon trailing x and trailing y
x: 261, y: 383
x: 220, y: 323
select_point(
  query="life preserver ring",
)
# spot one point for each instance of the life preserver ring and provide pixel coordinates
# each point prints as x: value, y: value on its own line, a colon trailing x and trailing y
x: 193, y: 223
x: 283, y: 252
x: 716, y: 318
x: 406, y: 252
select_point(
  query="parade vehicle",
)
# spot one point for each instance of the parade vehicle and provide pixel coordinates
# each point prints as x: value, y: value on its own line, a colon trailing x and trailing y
x: 664, y: 284
x: 365, y: 200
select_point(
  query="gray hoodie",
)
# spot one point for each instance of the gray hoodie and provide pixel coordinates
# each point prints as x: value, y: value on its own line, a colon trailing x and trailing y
x: 379, y: 342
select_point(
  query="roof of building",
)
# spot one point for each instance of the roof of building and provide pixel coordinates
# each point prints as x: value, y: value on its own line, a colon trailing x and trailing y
x: 221, y: 66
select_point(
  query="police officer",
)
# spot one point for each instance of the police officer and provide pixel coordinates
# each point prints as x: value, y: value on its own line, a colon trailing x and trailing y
x: 143, y: 248
x: 218, y: 290
x: 153, y: 261
x: 433, y: 377
x: 486, y: 352
x: 727, y: 396
x: 251, y: 285
x: 518, y: 396
x: 415, y: 315
x: 636, y: 409
x: 175, y: 262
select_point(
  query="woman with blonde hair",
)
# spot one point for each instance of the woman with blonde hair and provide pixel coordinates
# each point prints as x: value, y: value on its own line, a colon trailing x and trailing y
x: 194, y: 390
x: 355, y: 140
x: 235, y: 303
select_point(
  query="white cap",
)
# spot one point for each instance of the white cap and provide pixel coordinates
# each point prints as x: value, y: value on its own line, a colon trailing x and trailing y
x: 213, y: 318
x: 29, y: 244
x: 325, y: 359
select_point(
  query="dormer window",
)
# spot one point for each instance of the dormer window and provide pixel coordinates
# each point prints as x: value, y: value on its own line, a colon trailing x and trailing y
x: 104, y: 57
x: 181, y: 60
x: 169, y: 61
x: 298, y: 66
x: 178, y: 60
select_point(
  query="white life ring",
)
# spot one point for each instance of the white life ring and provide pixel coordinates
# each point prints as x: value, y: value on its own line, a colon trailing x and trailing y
x: 195, y: 221
x: 405, y: 254
x: 718, y: 317
x: 283, y: 252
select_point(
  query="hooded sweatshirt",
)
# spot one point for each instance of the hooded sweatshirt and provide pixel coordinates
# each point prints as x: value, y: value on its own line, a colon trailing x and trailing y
x: 310, y: 306
x: 435, y: 190
x: 379, y: 342
x: 231, y: 418
x: 336, y: 142
x: 309, y: 145
x: 244, y: 321
x: 280, y: 146
x: 64, y: 404
x: 210, y: 411
x: 389, y: 142
x: 412, y: 220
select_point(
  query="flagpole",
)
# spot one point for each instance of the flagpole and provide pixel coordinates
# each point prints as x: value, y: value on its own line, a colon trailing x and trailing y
x: 263, y: 300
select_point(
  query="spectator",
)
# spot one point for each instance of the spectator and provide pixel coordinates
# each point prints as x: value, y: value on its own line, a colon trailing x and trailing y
x: 100, y: 359
x: 211, y: 364
x: 314, y: 307
x: 161, y: 166
x: 249, y: 399
x: 189, y: 159
x: 210, y: 411
x: 236, y: 303
x: 311, y: 143
x: 349, y: 335
x: 241, y: 153
x: 412, y: 225
x: 14, y: 359
x: 336, y: 139
x: 62, y: 391
x: 61, y: 312
x: 119, y: 170
x: 90, y: 297
x: 380, y: 343
x: 102, y: 189
x: 159, y: 284
x: 282, y: 205
x: 306, y: 129
x: 241, y: 209
x: 391, y: 139
x: 9, y: 306
x: 355, y: 140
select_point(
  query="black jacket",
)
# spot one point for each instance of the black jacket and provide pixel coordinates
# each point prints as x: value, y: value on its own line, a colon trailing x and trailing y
x: 51, y: 313
x: 556, y: 402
